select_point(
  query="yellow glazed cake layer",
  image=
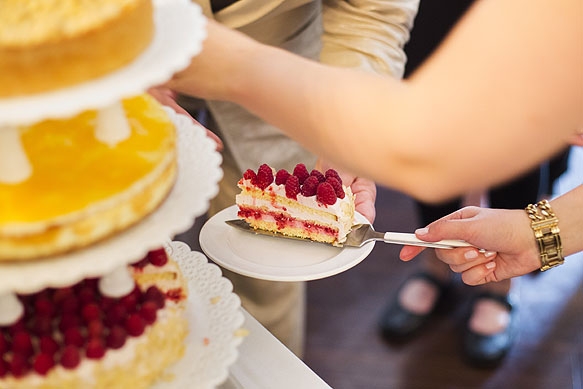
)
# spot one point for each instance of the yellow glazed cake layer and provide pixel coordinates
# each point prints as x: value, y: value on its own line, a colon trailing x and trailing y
x: 49, y: 44
x: 81, y: 189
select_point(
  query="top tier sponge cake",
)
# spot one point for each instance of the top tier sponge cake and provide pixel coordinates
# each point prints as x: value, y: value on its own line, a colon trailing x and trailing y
x: 50, y: 44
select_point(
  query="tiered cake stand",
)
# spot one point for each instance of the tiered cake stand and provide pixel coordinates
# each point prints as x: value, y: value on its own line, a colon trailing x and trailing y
x: 213, y: 310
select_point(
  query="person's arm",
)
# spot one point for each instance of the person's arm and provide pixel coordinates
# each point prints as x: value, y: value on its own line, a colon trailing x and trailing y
x: 505, y: 234
x: 500, y: 95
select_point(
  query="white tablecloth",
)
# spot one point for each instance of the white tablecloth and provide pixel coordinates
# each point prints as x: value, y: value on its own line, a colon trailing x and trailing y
x: 265, y: 363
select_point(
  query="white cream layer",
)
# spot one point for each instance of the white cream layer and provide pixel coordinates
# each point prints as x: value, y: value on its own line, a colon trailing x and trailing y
x: 14, y: 164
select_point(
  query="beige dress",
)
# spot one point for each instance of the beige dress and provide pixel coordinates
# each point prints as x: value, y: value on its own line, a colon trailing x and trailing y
x: 367, y: 34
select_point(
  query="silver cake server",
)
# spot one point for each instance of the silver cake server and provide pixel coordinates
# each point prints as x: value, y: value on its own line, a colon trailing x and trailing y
x: 362, y: 234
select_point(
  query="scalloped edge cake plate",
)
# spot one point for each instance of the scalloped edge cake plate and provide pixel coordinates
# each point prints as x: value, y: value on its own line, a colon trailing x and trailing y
x: 214, y: 317
x: 169, y: 52
x: 272, y: 258
x: 199, y: 173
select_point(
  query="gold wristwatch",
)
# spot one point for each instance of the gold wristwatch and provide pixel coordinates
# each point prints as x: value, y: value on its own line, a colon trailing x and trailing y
x: 545, y: 225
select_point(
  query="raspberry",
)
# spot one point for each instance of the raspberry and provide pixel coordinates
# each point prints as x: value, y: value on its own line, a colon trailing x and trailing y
x: 338, y: 189
x: 115, y: 315
x: 333, y: 173
x: 325, y: 194
x: 3, y: 368
x: 71, y: 357
x: 148, y: 312
x: 292, y: 187
x: 91, y: 283
x: 48, y: 345
x: 249, y: 175
x: 264, y: 177
x: 3, y: 344
x: 301, y: 172
x: 86, y: 295
x: 106, y: 303
x: 41, y: 325
x: 22, y: 343
x: 69, y: 320
x: 73, y: 336
x: 44, y: 307
x: 18, y: 366
x: 135, y: 325
x: 318, y: 174
x: 95, y: 329
x: 131, y: 300
x: 158, y: 257
x: 281, y: 177
x: 70, y: 304
x: 310, y: 185
x: 43, y: 363
x: 17, y: 327
x: 117, y: 337
x: 95, y: 349
x: 142, y: 262
x: 91, y: 312
x: 154, y: 294
x: 61, y: 294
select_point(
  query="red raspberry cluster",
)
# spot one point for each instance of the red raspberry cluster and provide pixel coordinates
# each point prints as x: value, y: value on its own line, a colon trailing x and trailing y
x: 61, y: 326
x: 327, y: 187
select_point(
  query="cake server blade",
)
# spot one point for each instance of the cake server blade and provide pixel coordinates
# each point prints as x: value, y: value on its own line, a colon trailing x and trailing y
x: 362, y: 234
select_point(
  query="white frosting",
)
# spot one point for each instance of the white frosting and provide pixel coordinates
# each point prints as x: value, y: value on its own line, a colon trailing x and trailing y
x: 14, y: 164
x: 118, y: 283
x: 112, y: 125
x: 11, y: 309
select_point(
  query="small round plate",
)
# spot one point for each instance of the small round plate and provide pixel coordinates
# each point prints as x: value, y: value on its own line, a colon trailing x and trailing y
x: 273, y: 258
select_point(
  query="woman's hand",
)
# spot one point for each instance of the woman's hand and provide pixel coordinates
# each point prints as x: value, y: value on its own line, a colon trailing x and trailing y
x: 167, y: 97
x: 506, y: 236
x: 365, y: 190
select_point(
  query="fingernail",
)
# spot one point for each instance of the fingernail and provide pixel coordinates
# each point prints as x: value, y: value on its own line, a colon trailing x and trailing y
x: 422, y: 231
x: 490, y: 265
x: 489, y: 254
x: 472, y: 254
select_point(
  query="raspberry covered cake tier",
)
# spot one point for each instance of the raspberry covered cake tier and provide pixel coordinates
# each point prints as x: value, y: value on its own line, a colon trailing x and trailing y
x: 90, y: 176
x: 50, y: 44
x: 310, y: 205
x: 112, y: 332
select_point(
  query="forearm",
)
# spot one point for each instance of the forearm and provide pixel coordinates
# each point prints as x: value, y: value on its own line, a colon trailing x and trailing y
x: 569, y: 211
x: 485, y: 96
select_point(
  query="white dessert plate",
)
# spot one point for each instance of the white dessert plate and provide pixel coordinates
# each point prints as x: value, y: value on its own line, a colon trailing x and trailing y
x: 199, y: 173
x: 272, y: 258
x: 180, y: 29
x: 214, y: 318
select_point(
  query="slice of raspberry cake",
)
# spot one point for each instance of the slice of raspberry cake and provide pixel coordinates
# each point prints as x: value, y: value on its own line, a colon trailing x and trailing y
x: 118, y: 331
x: 310, y: 205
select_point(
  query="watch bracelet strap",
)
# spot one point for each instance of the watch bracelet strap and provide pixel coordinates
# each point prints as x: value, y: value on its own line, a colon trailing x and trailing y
x: 545, y: 226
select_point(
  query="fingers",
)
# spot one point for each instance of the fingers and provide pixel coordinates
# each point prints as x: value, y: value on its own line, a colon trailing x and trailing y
x: 480, y: 274
x: 409, y: 252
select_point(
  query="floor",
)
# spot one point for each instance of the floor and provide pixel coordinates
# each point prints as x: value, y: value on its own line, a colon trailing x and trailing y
x: 345, y: 348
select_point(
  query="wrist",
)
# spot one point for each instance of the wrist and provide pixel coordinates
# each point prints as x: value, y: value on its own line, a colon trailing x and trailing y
x: 545, y: 227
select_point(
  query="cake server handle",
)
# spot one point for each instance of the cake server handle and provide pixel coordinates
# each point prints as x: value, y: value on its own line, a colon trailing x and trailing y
x: 363, y: 233
x: 412, y: 240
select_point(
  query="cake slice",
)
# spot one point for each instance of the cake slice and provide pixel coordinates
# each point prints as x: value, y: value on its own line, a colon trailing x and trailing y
x: 82, y: 337
x: 310, y: 205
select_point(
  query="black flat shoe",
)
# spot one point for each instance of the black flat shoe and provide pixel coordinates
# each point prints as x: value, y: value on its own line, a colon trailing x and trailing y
x: 488, y: 351
x: 397, y: 323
